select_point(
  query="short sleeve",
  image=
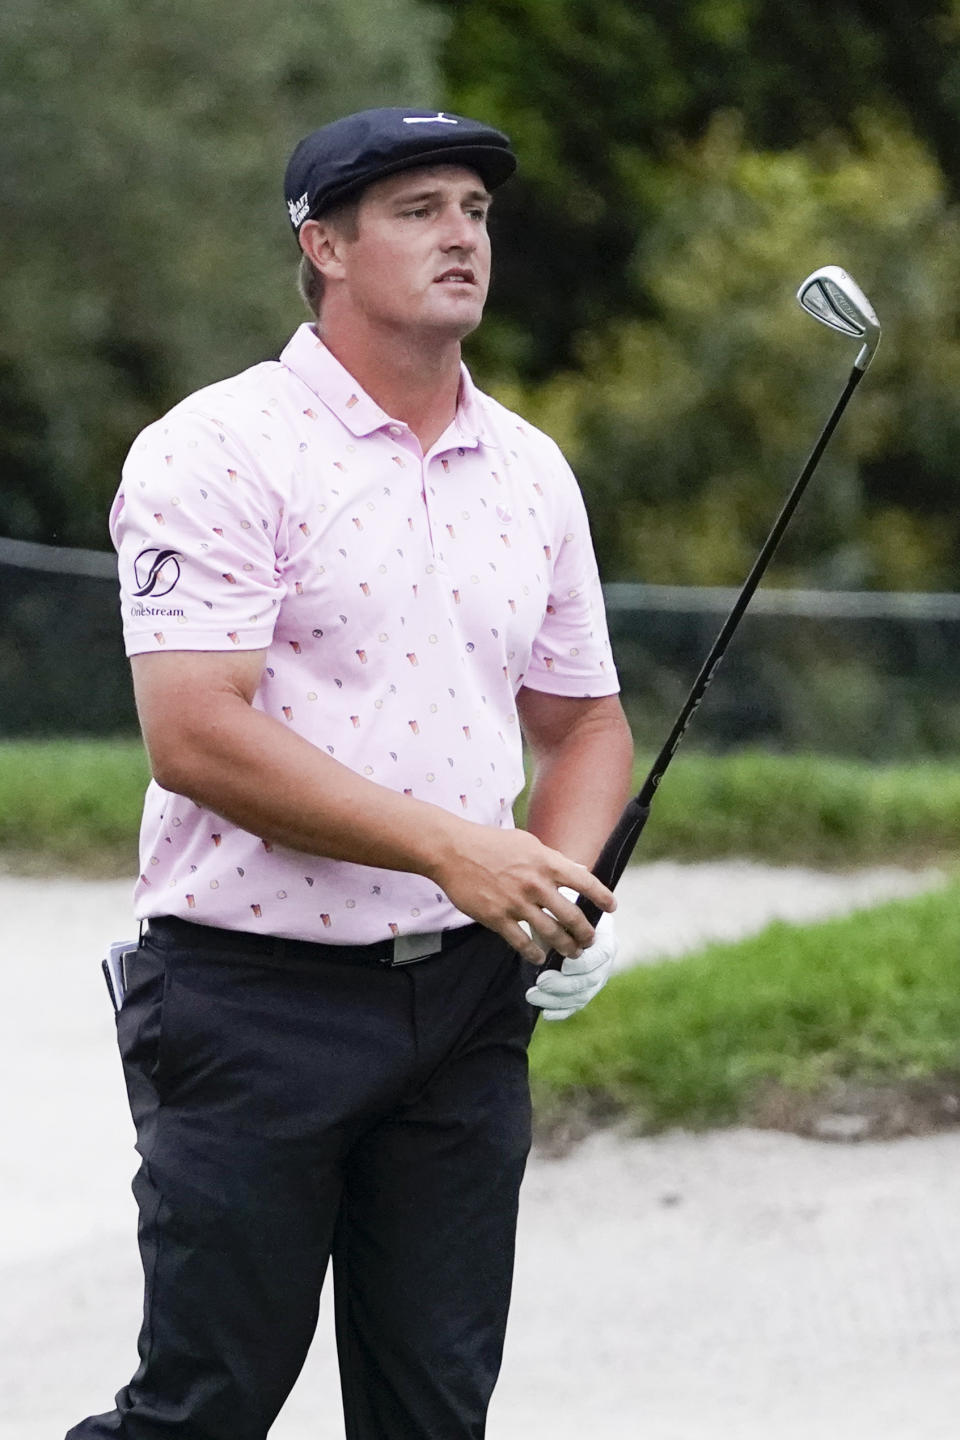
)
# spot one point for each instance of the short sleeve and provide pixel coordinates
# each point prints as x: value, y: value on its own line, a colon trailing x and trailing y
x: 196, y: 529
x: 571, y: 654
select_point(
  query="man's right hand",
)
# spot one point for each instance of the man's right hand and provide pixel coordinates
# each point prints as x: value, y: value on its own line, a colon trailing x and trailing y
x: 503, y: 877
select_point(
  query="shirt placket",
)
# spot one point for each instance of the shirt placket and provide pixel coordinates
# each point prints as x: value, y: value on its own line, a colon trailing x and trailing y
x: 408, y: 443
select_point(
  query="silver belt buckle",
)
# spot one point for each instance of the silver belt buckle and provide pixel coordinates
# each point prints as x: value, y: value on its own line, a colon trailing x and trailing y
x: 409, y: 948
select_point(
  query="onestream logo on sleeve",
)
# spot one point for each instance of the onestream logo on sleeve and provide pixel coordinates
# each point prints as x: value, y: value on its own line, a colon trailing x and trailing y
x: 155, y: 572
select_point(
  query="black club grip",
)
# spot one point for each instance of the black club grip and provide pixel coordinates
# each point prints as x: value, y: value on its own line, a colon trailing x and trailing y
x: 611, y: 863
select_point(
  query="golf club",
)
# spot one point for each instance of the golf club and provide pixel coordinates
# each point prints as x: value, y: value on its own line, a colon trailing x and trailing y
x: 833, y: 297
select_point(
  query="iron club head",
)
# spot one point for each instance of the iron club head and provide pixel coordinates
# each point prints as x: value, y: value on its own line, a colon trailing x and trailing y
x: 834, y: 297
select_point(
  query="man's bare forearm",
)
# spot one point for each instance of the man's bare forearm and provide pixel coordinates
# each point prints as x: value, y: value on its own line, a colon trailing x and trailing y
x: 581, y: 782
x: 247, y: 767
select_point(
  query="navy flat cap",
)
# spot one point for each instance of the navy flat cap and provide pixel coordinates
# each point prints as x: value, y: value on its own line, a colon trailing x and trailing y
x: 338, y: 160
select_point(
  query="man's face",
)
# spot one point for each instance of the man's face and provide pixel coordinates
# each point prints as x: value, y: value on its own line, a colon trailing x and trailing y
x: 420, y: 259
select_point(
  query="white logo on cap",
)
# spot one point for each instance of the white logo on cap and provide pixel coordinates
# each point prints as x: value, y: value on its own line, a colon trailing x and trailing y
x: 429, y: 119
x: 299, y: 208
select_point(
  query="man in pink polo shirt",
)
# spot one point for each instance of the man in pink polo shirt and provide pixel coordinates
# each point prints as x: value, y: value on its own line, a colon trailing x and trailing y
x: 350, y: 582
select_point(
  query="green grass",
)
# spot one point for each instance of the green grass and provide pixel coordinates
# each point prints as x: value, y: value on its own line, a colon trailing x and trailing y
x: 77, y: 804
x: 873, y: 998
x: 804, y: 809
x: 71, y: 803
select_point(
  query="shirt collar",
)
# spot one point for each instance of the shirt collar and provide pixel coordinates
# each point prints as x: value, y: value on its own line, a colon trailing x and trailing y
x: 469, y: 419
x: 308, y: 358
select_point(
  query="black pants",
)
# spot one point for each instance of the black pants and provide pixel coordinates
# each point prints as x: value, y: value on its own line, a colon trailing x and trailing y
x: 287, y: 1111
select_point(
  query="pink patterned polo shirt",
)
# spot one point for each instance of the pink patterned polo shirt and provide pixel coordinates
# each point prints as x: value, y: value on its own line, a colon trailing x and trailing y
x: 402, y: 601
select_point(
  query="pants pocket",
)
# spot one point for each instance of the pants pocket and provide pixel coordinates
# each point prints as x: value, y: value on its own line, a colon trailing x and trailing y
x: 140, y: 1027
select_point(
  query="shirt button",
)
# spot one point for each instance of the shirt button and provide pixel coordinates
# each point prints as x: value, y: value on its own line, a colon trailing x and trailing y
x: 396, y: 430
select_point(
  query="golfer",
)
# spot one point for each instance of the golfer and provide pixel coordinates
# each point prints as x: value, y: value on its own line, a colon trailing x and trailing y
x: 350, y: 583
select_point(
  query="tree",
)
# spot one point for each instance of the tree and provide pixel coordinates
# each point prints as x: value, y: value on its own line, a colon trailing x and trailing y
x: 687, y: 426
x: 597, y: 95
x: 144, y: 245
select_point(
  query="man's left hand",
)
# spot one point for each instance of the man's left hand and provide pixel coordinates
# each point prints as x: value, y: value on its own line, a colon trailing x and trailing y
x: 561, y: 993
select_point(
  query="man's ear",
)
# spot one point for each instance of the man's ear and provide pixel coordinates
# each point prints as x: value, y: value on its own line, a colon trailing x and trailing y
x: 323, y: 244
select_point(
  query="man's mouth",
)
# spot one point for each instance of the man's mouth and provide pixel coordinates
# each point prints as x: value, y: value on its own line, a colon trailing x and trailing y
x: 457, y: 275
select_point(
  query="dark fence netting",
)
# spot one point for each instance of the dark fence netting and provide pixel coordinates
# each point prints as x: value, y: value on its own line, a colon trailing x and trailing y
x: 851, y: 673
x: 859, y: 673
x: 62, y: 666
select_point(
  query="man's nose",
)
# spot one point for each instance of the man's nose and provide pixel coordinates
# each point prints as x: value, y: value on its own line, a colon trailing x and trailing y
x: 459, y: 231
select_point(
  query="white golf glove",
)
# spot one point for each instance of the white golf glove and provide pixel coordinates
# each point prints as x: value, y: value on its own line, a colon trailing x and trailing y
x: 561, y: 993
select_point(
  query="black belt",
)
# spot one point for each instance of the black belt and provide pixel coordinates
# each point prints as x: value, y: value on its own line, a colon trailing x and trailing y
x: 399, y: 950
